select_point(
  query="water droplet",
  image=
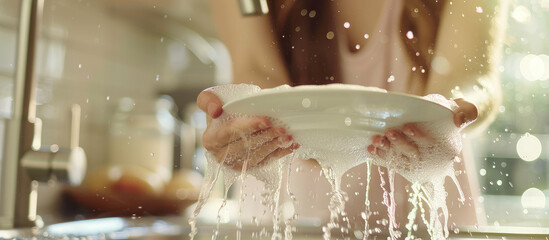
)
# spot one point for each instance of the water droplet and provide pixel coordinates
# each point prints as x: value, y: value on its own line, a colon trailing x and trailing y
x: 499, y: 182
x: 410, y: 35
x: 312, y: 14
x: 529, y: 147
x: 479, y: 9
x: 330, y: 35
x: 348, y: 121
x: 153, y: 154
x: 366, y: 36
x: 157, y: 77
x: 482, y: 172
x: 303, y: 12
x: 391, y: 78
x: 306, y: 102
x: 161, y: 39
x: 79, y: 65
x: 346, y: 25
x: 108, y: 98
x: 357, y: 46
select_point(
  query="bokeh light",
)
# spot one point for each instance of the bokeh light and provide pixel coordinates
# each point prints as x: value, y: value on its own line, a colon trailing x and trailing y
x: 533, y: 198
x: 533, y: 67
x: 545, y: 60
x: 529, y: 147
x: 521, y: 14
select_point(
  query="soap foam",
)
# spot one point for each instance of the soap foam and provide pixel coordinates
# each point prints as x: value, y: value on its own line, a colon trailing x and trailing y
x: 340, y: 153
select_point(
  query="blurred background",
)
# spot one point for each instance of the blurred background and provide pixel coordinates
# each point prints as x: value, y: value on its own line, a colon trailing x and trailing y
x: 130, y: 72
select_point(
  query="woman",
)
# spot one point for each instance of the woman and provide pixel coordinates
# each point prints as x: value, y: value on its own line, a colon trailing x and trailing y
x: 412, y: 46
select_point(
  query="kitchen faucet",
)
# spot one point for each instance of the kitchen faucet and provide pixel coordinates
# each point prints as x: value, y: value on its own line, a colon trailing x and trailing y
x: 253, y: 7
x: 24, y: 161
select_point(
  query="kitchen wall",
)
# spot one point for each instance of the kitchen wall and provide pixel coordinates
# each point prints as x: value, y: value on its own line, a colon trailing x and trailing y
x: 9, y: 16
x: 94, y: 53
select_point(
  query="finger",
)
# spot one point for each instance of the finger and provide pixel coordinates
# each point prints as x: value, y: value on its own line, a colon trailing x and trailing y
x: 210, y: 103
x: 372, y: 149
x: 412, y: 131
x: 466, y: 113
x: 381, y: 153
x: 377, y: 151
x: 259, y: 138
x: 401, y: 144
x: 235, y: 156
x: 261, y: 153
x: 254, y: 141
x: 381, y: 142
x: 216, y: 138
x: 281, y: 152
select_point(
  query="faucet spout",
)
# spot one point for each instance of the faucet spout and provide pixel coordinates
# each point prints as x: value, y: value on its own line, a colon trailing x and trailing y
x: 253, y: 7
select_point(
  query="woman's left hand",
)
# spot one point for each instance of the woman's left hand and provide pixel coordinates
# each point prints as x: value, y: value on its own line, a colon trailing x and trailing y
x: 405, y: 140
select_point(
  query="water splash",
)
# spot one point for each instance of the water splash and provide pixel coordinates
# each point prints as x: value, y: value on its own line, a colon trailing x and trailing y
x: 367, y: 200
x: 427, y: 178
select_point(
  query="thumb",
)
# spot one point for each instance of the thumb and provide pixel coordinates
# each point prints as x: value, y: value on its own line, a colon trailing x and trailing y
x: 210, y: 103
x: 466, y: 113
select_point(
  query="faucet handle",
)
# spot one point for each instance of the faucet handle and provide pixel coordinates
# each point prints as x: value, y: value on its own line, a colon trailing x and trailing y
x: 67, y: 165
x: 253, y: 7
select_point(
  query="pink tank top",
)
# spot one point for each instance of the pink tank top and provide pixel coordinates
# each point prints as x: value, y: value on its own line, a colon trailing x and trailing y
x: 383, y: 62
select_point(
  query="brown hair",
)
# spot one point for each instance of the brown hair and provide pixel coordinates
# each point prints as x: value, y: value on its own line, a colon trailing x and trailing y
x: 312, y: 58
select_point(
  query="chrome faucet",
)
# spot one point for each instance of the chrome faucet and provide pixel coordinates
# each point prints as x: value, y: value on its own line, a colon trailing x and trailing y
x: 253, y: 7
x: 25, y: 161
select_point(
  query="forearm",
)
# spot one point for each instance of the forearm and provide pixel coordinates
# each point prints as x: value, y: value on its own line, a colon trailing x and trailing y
x: 467, y: 56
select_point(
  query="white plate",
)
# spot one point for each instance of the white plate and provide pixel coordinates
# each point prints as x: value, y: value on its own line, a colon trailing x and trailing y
x: 337, y: 121
x: 337, y: 106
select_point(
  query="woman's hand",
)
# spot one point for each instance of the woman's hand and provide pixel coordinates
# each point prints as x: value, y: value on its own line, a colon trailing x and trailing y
x: 241, y: 139
x: 405, y: 141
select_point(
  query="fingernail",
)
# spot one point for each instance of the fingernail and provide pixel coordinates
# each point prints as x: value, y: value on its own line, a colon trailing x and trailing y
x: 371, y: 149
x: 391, y: 135
x: 263, y: 125
x: 410, y: 132
x: 383, y: 142
x: 379, y: 143
x: 212, y: 109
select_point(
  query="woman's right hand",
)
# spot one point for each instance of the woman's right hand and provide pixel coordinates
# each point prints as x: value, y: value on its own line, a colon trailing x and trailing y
x: 241, y: 139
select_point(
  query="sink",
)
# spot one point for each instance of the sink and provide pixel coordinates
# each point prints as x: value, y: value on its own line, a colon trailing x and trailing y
x: 177, y: 228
